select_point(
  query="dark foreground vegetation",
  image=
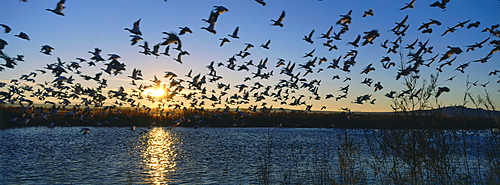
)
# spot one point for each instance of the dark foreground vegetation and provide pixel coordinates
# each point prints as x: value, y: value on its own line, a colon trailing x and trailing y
x: 125, y: 117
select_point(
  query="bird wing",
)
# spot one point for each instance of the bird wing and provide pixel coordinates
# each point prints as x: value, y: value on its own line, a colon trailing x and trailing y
x: 136, y: 24
x: 404, y: 20
x: 484, y: 41
x: 357, y: 39
x: 213, y: 17
x: 310, y: 34
x: 235, y: 32
x: 60, y: 5
x: 349, y: 13
x: 268, y: 42
x: 437, y: 3
x: 329, y: 31
x: 156, y: 47
x: 282, y: 16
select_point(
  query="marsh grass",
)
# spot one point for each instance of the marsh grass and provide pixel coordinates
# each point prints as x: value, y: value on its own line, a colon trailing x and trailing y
x: 266, y: 160
x: 388, y: 156
x: 492, y: 176
x: 349, y: 170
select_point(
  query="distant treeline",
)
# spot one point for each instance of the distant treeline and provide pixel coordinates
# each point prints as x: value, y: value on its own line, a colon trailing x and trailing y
x: 127, y: 117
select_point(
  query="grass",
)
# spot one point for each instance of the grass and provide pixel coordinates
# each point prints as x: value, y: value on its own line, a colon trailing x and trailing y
x: 389, y: 156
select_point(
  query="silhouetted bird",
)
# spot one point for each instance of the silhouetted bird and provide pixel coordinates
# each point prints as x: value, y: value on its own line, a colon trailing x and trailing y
x: 309, y: 37
x: 266, y: 45
x: 46, y: 49
x: 368, y: 13
x: 279, y: 21
x: 355, y: 42
x: 59, y: 8
x: 409, y: 5
x: 135, y: 29
x: 235, y: 33
x: 442, y: 90
x: 441, y: 4
x: 223, y: 41
x: 23, y: 35
x: 184, y: 30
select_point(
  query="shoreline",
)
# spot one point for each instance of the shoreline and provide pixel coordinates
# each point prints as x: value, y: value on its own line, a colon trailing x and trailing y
x: 18, y: 117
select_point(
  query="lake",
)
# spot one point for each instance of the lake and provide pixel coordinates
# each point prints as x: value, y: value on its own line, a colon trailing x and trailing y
x: 159, y: 155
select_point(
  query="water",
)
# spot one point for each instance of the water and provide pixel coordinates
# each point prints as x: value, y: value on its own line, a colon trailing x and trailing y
x: 114, y: 155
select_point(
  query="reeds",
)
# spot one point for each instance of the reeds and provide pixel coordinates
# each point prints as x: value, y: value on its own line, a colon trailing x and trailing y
x: 388, y: 156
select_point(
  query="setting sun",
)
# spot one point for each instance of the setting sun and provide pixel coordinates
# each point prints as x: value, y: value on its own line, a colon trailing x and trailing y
x: 156, y: 92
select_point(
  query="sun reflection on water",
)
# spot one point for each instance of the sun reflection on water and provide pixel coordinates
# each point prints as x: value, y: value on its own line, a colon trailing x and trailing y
x: 159, y: 155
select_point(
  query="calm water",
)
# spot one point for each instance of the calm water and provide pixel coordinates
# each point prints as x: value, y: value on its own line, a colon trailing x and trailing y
x: 40, y: 155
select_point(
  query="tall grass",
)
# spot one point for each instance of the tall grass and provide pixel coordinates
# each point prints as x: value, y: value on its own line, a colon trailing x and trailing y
x: 266, y: 160
x: 388, y: 156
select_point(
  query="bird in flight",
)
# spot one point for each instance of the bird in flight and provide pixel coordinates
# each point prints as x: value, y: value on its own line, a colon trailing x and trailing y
x: 442, y: 90
x: 135, y: 39
x: 46, y: 49
x: 355, y: 42
x: 441, y: 4
x: 23, y: 36
x: 235, y: 33
x: 223, y: 41
x: 308, y: 38
x: 345, y: 19
x: 327, y: 34
x: 266, y: 45
x: 409, y: 5
x: 368, y: 13
x: 135, y: 29
x: 279, y: 22
x: 185, y: 30
x: 59, y: 8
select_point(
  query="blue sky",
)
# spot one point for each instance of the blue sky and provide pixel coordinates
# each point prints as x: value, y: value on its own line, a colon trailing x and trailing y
x: 90, y: 24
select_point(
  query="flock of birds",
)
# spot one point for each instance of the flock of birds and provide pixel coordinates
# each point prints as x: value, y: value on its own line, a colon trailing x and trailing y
x: 191, y: 92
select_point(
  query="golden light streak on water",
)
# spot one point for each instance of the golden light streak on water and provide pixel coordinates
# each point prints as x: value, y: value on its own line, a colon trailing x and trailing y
x: 159, y: 155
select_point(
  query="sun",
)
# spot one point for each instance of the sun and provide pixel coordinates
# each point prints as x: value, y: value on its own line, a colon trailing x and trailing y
x: 156, y: 92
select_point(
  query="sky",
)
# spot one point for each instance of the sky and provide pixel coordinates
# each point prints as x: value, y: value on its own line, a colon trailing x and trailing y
x: 100, y: 24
